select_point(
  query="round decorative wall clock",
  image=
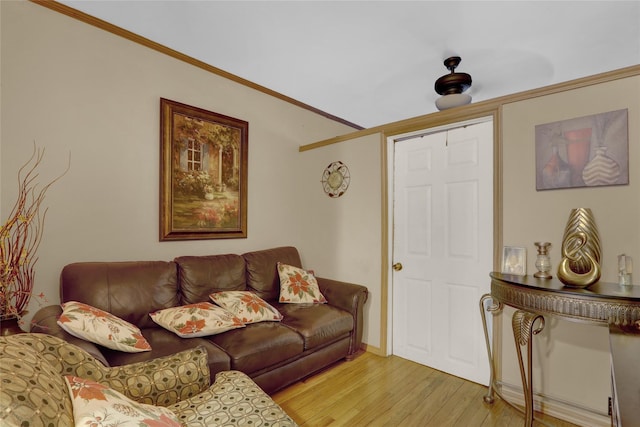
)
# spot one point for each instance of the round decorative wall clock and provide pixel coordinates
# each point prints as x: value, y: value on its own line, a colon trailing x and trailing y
x: 335, y: 179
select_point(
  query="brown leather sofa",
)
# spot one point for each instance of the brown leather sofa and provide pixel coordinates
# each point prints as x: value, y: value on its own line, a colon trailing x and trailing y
x: 309, y: 338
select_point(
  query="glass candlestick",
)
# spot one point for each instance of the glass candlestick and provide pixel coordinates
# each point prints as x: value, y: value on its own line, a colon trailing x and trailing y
x: 625, y: 269
x: 543, y: 262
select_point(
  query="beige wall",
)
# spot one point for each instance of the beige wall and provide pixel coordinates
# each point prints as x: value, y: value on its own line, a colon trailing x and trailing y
x: 344, y: 237
x: 73, y: 88
x: 574, y: 357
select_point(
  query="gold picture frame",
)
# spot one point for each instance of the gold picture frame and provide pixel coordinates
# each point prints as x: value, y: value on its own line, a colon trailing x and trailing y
x: 203, y: 174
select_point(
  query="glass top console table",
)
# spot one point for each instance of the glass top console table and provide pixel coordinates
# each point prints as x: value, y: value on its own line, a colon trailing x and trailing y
x: 601, y: 303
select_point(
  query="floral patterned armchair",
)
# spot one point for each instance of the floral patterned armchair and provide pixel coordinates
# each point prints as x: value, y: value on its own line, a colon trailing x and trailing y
x: 35, y: 370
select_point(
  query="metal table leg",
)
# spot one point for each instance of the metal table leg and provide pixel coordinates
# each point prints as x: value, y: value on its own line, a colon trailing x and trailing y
x: 523, y: 331
x: 494, y: 308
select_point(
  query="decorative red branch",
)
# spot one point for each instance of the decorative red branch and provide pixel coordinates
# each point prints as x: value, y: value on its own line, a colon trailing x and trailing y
x: 20, y: 238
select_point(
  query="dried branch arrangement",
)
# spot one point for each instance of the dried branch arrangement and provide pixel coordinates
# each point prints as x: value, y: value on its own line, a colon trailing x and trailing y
x: 20, y: 238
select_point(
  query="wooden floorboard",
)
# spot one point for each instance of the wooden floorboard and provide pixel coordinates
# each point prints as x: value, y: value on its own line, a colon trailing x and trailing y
x: 391, y: 391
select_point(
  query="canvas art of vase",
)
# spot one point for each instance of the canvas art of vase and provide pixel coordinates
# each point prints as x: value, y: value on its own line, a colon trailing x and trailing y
x: 581, y: 253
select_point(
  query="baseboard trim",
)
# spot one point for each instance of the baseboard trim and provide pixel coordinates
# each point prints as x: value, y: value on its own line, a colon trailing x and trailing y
x: 374, y: 350
x: 555, y: 407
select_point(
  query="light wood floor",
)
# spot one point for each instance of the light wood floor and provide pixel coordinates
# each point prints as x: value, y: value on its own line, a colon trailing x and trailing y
x: 390, y: 391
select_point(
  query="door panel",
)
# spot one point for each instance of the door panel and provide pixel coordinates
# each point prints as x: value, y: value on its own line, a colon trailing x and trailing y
x: 460, y: 335
x: 421, y: 290
x: 418, y: 199
x: 443, y: 231
x: 462, y: 236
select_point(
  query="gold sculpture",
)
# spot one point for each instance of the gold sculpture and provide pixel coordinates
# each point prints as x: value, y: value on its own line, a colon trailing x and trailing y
x: 580, y: 264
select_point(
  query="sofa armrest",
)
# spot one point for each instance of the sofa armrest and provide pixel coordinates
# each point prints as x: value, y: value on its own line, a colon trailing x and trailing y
x: 45, y: 322
x: 349, y: 297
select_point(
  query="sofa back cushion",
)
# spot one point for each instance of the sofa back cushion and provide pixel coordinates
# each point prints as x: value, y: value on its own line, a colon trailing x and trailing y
x: 200, y: 276
x: 128, y: 290
x: 262, y: 271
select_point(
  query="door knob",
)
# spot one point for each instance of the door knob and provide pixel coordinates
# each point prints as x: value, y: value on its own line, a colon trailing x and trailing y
x: 397, y: 266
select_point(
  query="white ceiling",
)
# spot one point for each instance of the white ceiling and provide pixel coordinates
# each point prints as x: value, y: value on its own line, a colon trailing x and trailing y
x: 375, y: 62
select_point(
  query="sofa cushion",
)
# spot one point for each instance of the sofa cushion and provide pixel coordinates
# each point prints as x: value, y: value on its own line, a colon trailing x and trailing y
x: 262, y: 272
x: 95, y: 325
x: 129, y: 290
x: 32, y: 392
x: 259, y: 345
x: 165, y: 343
x: 319, y: 324
x: 162, y: 381
x: 200, y: 276
x: 246, y: 305
x: 196, y: 320
x: 298, y: 286
x: 94, y: 404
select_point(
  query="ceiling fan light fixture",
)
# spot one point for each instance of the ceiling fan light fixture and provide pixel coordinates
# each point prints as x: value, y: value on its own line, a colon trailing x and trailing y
x: 451, y: 86
x: 452, y: 100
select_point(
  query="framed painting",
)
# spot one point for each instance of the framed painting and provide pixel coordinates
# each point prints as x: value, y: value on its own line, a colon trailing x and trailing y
x: 203, y: 174
x: 588, y: 151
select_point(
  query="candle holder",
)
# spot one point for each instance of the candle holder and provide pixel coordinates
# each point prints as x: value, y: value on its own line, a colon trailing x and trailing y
x: 625, y: 269
x: 543, y: 262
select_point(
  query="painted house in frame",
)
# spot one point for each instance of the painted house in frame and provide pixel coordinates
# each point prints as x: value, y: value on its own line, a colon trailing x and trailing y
x: 206, y: 174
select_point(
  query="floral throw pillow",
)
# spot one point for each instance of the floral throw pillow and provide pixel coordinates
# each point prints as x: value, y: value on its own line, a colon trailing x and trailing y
x: 196, y: 320
x: 246, y: 305
x: 100, y: 327
x: 298, y: 286
x: 97, y: 405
